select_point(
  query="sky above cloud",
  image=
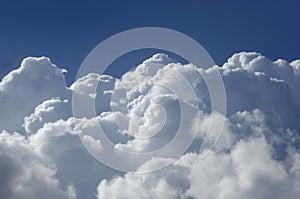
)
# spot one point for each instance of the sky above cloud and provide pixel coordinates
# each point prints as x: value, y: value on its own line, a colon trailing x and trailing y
x: 257, y: 155
x: 67, y: 30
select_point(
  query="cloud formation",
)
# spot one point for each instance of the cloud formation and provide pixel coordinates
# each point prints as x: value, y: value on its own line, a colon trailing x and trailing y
x: 246, y: 168
x: 25, y: 174
x: 36, y: 80
x: 257, y: 155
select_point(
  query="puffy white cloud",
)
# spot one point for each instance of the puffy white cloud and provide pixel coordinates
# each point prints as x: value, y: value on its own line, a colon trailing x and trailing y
x: 23, y: 89
x: 296, y: 66
x: 95, y: 144
x: 246, y: 169
x: 104, y: 85
x: 155, y: 103
x: 24, y: 174
x: 59, y: 143
x: 258, y: 150
x: 249, y: 81
x: 49, y: 111
x: 259, y: 143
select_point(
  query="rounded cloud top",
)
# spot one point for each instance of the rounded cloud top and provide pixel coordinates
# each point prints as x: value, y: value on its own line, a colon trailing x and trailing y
x: 258, y: 148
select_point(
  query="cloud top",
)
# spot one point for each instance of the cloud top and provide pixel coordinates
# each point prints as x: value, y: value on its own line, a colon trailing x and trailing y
x: 257, y: 155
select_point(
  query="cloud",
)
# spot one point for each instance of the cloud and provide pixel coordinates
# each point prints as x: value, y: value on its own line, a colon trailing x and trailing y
x: 23, y: 89
x: 246, y: 169
x: 257, y: 148
x: 143, y: 111
x: 104, y: 85
x: 24, y: 174
x: 58, y: 143
x: 48, y: 111
x: 249, y: 81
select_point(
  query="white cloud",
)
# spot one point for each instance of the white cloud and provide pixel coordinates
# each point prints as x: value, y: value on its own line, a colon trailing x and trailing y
x: 23, y: 89
x: 258, y: 150
x: 49, y: 111
x: 95, y: 144
x: 279, y: 100
x: 247, y: 170
x: 253, y: 153
x: 24, y: 174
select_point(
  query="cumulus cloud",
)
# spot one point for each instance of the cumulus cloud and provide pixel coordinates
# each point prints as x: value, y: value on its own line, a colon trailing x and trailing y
x: 23, y: 89
x: 249, y: 81
x: 101, y: 95
x: 246, y: 169
x: 257, y: 147
x: 48, y: 111
x: 24, y: 173
x: 257, y: 155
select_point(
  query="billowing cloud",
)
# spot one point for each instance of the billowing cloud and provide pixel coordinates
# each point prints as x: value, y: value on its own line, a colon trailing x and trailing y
x: 257, y: 151
x: 48, y: 111
x: 249, y: 168
x: 25, y: 174
x: 253, y: 81
x: 23, y: 89
x: 257, y: 155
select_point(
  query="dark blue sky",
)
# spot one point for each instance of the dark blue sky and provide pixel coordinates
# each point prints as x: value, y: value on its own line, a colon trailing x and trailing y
x: 66, y: 30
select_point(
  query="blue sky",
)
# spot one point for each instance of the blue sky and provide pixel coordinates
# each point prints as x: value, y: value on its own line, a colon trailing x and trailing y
x: 67, y: 30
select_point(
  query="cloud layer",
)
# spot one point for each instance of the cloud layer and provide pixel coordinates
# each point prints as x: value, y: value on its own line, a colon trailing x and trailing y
x: 257, y: 155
